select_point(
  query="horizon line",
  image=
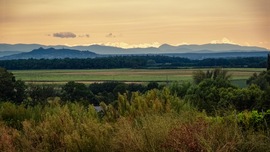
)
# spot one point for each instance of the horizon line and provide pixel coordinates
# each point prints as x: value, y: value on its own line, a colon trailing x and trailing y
x: 133, y: 46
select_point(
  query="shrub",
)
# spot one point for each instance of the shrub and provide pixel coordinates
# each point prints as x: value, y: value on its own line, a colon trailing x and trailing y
x: 14, y: 115
x: 8, y: 138
x: 40, y: 93
x: 73, y: 91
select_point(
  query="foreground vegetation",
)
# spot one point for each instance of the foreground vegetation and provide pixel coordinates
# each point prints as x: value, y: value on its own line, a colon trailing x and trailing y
x: 210, y: 114
x: 154, y: 121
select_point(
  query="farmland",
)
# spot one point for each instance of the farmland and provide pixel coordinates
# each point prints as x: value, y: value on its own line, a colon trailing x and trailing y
x: 124, y: 75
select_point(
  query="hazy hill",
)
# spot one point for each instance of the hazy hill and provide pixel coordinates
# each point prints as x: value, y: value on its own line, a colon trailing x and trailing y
x: 100, y: 49
x: 165, y: 48
x: 6, y: 53
x: 13, y: 51
x: 221, y: 48
x: 234, y: 54
x: 19, y: 47
x: 51, y: 53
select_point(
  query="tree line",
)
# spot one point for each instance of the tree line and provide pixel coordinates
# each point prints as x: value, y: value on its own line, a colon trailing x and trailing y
x: 209, y: 91
x: 149, y: 61
x: 19, y: 92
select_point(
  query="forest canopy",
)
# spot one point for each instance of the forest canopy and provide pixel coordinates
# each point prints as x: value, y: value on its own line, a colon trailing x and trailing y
x: 150, y: 61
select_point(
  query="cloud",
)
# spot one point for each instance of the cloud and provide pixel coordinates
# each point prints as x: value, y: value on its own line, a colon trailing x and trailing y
x: 126, y: 45
x: 247, y: 44
x: 222, y: 41
x: 64, y: 35
x: 110, y: 35
x: 85, y: 35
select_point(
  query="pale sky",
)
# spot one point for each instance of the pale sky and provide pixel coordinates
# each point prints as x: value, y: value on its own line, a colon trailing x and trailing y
x: 128, y: 23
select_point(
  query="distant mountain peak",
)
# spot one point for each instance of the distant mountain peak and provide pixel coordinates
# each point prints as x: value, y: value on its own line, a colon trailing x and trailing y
x: 165, y: 45
x: 51, y: 53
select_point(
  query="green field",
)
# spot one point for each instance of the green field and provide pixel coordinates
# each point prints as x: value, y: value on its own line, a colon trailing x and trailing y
x: 125, y: 75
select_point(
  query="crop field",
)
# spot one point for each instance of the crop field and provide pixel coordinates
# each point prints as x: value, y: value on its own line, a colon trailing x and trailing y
x: 125, y: 75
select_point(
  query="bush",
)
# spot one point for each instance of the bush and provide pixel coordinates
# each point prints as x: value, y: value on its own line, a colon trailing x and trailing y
x: 180, y: 89
x: 13, y: 115
x: 40, y: 93
x: 254, y: 120
x: 73, y: 91
x: 8, y: 138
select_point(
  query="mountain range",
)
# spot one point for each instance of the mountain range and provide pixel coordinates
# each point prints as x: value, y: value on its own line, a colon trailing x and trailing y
x: 51, y: 53
x: 24, y: 51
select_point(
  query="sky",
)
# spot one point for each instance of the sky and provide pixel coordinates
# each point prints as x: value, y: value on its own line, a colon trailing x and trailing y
x: 135, y: 23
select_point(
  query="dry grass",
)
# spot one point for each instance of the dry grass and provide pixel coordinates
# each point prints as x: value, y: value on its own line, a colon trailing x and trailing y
x: 150, y: 124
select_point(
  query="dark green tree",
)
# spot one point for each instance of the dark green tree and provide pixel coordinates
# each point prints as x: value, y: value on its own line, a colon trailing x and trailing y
x: 7, y: 85
x: 262, y: 79
x: 40, y: 93
x: 10, y: 89
x: 268, y: 62
x: 199, y: 76
x: 121, y: 88
x: 20, y: 91
x: 103, y: 87
x: 221, y: 74
x: 133, y: 87
x: 205, y: 94
x: 180, y: 89
x: 152, y: 85
x: 73, y: 91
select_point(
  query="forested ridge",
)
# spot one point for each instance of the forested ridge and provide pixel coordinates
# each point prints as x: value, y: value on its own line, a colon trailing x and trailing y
x: 150, y: 61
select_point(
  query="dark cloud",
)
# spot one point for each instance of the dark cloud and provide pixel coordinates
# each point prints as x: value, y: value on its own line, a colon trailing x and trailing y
x: 85, y: 35
x: 64, y: 35
x: 110, y: 35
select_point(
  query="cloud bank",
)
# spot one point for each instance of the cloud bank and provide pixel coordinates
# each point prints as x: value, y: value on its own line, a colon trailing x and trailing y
x: 64, y: 35
x: 222, y: 41
x: 85, y: 35
x: 128, y: 46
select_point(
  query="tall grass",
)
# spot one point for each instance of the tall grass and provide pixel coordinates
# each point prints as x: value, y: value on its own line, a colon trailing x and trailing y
x: 153, y: 122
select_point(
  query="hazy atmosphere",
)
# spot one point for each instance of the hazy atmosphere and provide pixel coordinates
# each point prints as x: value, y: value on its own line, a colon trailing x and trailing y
x: 135, y: 75
x: 139, y: 23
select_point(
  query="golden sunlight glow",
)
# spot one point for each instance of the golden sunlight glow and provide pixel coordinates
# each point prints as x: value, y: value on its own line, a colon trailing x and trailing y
x: 140, y: 23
